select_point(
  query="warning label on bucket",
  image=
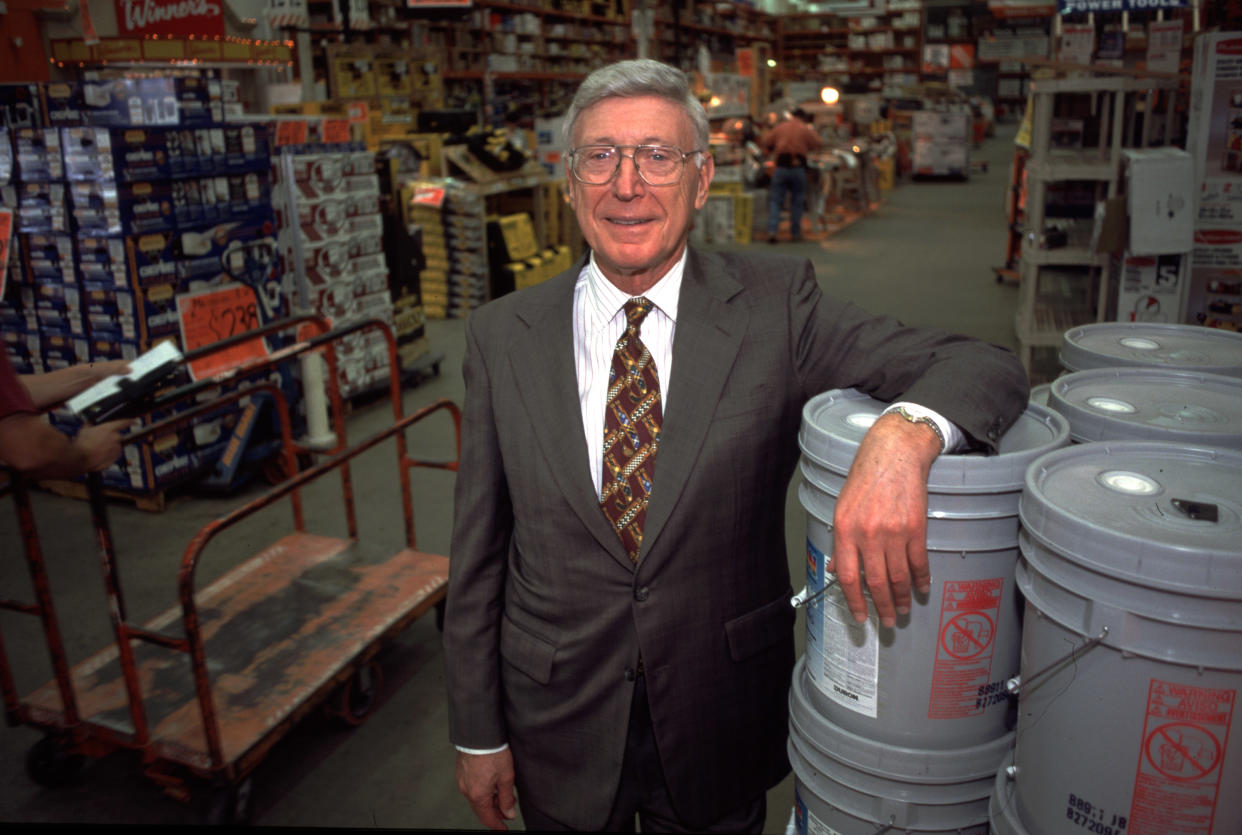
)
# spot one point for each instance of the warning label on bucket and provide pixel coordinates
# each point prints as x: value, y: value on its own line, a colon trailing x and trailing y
x: 1184, y: 740
x: 969, y: 610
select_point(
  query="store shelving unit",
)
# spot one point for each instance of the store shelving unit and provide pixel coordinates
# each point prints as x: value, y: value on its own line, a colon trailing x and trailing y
x: 860, y: 49
x: 1067, y: 285
x: 682, y: 26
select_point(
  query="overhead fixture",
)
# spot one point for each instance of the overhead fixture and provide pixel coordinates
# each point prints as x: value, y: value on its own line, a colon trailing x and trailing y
x: 830, y: 95
x: 772, y: 63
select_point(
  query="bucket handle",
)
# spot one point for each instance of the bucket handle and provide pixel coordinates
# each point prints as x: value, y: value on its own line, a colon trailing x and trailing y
x: 1014, y: 685
x: 803, y: 598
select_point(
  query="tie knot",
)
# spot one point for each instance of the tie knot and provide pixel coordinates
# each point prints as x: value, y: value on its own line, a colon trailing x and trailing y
x: 636, y: 311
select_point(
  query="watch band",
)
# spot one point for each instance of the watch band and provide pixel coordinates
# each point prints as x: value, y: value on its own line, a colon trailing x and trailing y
x: 914, y: 418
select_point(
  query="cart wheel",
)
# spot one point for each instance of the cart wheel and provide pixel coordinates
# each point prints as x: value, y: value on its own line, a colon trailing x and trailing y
x: 360, y: 694
x: 230, y: 805
x: 51, y: 763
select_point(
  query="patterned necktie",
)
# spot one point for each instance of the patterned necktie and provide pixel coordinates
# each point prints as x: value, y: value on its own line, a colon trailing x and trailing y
x: 631, y: 431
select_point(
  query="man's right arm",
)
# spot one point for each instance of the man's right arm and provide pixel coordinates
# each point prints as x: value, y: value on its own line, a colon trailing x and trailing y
x: 482, y: 529
x: 33, y: 447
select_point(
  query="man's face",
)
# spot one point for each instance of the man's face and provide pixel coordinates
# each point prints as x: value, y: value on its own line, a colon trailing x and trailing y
x: 637, y: 230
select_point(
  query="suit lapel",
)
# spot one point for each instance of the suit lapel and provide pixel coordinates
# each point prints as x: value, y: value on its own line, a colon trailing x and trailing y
x: 543, y: 357
x: 708, y: 335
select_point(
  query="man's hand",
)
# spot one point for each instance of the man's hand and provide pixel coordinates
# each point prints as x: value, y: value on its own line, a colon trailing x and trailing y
x: 100, y: 445
x: 880, y: 522
x: 487, y: 782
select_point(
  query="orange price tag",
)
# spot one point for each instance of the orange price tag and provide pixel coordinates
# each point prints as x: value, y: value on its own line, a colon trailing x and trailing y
x: 6, y: 227
x: 432, y: 196
x: 336, y: 130
x: 291, y: 132
x: 357, y: 111
x: 212, y: 315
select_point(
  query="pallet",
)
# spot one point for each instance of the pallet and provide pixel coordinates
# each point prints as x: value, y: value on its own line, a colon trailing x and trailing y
x: 153, y: 501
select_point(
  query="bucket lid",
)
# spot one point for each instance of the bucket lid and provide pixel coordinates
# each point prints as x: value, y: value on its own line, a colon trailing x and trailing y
x: 1039, y: 394
x: 1151, y: 404
x: 1190, y: 347
x: 834, y: 423
x: 1158, y: 514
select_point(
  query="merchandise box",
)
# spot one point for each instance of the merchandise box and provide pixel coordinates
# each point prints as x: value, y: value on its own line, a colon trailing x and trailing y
x: 60, y: 350
x: 62, y: 104
x: 144, y: 154
x: 199, y: 100
x: 96, y: 207
x: 103, y: 261
x: 1159, y: 200
x: 20, y: 344
x: 247, y: 147
x: 41, y: 207
x: 106, y: 321
x: 47, y: 258
x: 21, y: 106
x: 1214, y: 129
x: 60, y: 320
x: 129, y: 101
x: 332, y: 217
x: 158, y: 463
x: 88, y: 153
x: 55, y: 294
x: 1214, y: 297
x: 36, y: 155
x: 107, y: 344
x: 1149, y: 288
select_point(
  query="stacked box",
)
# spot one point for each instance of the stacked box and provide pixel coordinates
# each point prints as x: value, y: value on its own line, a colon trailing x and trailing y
x: 336, y: 229
x: 455, y: 278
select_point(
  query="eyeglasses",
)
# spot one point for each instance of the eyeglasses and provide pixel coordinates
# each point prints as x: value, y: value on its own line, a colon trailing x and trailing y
x: 658, y: 165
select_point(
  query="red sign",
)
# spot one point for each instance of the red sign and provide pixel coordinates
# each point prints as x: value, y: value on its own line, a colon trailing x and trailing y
x: 200, y: 18
x: 6, y: 227
x: 291, y: 132
x: 212, y: 315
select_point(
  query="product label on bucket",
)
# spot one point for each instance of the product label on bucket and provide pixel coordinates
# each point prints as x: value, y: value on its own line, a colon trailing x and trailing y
x: 1184, y: 742
x: 969, y: 610
x: 849, y: 661
x: 805, y: 823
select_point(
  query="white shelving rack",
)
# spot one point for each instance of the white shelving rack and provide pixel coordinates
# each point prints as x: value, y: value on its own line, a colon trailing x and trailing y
x: 1117, y: 102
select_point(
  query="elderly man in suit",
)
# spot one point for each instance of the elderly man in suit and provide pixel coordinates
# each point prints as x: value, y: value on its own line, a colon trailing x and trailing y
x: 619, y: 637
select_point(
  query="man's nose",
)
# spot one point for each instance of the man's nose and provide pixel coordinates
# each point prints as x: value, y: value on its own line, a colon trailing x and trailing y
x: 628, y: 181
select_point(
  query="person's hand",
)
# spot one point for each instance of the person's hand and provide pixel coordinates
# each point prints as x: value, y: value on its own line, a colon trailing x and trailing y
x: 487, y: 782
x: 880, y: 521
x: 100, y: 445
x: 103, y: 370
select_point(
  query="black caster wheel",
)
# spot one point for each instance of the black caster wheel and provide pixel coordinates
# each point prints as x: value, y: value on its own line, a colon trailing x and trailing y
x: 51, y: 763
x: 360, y: 695
x: 230, y: 805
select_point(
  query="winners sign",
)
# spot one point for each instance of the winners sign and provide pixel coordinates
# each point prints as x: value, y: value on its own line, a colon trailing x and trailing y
x: 202, y: 18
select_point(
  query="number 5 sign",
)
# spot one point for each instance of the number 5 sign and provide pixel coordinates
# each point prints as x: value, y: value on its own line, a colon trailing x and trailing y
x: 212, y: 315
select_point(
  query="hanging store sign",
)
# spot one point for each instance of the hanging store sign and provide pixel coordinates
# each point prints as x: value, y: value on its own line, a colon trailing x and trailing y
x: 201, y: 18
x: 1072, y: 6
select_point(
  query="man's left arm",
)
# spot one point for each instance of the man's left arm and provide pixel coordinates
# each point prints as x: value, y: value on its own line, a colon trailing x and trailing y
x: 880, y: 519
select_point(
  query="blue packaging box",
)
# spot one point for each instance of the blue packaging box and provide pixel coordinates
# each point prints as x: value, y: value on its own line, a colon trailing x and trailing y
x: 199, y: 100
x: 87, y: 153
x: 37, y: 155
x: 47, y: 257
x: 41, y: 207
x: 103, y: 261
x: 62, y: 104
x: 129, y: 101
x: 21, y: 106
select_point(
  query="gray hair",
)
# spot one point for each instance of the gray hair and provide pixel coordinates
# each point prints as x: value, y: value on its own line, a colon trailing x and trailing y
x: 638, y: 77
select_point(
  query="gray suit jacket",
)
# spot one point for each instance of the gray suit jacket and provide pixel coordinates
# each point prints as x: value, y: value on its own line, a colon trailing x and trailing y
x: 546, y: 614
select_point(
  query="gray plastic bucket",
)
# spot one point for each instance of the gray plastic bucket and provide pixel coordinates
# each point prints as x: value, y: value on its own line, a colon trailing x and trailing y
x: 1151, y: 404
x: 1186, y: 347
x: 1132, y: 643
x: 936, y: 680
x: 851, y: 785
x: 1039, y: 394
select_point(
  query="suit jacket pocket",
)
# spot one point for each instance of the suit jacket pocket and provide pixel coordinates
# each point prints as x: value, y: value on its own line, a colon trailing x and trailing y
x: 760, y: 628
x: 526, y: 651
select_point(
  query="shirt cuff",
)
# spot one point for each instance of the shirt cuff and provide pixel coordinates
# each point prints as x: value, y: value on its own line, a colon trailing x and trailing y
x: 481, y: 751
x: 954, y: 438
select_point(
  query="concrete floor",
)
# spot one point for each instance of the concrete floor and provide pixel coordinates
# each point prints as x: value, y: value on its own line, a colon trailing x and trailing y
x: 925, y: 256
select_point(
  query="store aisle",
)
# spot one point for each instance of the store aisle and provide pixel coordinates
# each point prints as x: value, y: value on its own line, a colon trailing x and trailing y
x: 925, y: 256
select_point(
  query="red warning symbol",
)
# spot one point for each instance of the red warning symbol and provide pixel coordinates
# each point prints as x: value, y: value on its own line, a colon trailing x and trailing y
x: 1183, y: 751
x: 967, y: 635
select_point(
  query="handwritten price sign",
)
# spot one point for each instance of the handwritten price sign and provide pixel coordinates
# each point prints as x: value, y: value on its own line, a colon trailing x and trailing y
x: 212, y: 315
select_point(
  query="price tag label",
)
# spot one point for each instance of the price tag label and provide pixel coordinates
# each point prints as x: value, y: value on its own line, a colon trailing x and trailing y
x: 212, y: 315
x: 291, y: 132
x: 357, y: 111
x: 432, y: 196
x: 336, y: 130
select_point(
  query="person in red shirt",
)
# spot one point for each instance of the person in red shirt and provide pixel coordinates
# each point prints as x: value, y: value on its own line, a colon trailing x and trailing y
x: 789, y: 143
x: 29, y: 444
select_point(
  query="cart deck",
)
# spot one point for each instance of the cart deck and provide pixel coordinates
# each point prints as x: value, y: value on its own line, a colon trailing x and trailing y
x: 279, y: 629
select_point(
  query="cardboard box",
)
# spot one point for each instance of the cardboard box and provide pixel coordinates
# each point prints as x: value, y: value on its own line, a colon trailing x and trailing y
x: 1159, y: 200
x: 1149, y: 287
x: 103, y: 261
x: 1214, y: 297
x: 129, y: 101
x: 37, y: 155
x: 1214, y: 132
x: 48, y: 258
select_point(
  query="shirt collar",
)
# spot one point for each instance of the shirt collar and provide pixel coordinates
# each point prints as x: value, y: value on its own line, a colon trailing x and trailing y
x: 606, y: 300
